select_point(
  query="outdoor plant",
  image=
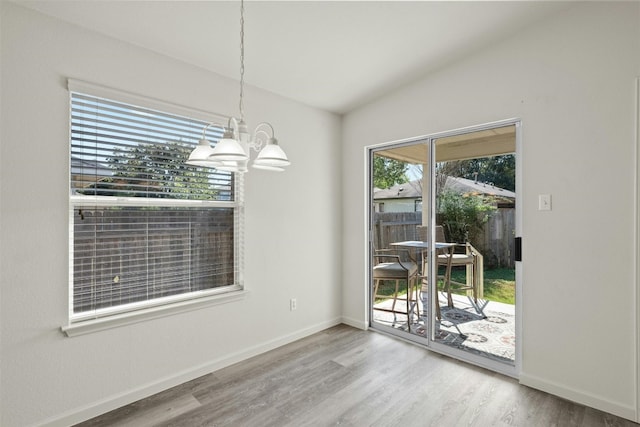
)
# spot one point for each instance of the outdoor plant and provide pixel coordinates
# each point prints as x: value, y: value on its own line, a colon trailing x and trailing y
x: 462, y: 215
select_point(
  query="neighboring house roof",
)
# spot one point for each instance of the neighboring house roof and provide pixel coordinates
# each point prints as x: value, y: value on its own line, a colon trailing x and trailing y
x: 85, y: 173
x: 413, y: 189
x: 408, y: 190
x: 465, y: 186
x: 89, y: 168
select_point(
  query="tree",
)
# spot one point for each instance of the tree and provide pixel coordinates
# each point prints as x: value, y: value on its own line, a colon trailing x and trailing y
x: 499, y: 171
x: 158, y: 169
x: 462, y: 215
x: 388, y: 172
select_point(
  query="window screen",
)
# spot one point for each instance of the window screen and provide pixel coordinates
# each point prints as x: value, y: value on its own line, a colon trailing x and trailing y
x: 145, y: 227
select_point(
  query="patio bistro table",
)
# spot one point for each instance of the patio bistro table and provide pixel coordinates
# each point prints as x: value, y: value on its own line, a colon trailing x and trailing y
x: 418, y: 244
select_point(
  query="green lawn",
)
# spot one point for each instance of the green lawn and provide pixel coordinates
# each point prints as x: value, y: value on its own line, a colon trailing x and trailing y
x: 388, y: 287
x: 499, y: 285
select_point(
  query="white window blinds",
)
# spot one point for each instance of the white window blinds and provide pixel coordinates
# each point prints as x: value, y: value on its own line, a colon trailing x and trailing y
x: 145, y: 227
x: 123, y: 150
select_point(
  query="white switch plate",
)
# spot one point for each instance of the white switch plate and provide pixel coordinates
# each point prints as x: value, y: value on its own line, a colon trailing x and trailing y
x: 544, y: 202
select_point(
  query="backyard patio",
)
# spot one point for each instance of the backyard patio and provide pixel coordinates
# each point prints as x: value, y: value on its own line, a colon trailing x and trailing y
x: 489, y: 332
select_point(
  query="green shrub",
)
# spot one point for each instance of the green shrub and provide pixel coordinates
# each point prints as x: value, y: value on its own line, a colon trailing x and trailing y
x: 462, y: 215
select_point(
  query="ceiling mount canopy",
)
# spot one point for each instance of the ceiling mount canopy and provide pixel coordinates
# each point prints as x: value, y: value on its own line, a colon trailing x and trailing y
x: 232, y: 152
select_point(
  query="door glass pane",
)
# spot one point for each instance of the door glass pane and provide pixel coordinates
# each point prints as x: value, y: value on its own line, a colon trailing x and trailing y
x: 400, y: 194
x: 475, y: 202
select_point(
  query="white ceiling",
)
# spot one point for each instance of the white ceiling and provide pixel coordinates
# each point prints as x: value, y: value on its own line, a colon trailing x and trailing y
x: 334, y: 55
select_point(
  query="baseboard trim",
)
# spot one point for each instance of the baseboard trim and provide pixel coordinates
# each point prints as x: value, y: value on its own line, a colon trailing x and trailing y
x: 356, y: 323
x: 588, y: 399
x: 116, y: 401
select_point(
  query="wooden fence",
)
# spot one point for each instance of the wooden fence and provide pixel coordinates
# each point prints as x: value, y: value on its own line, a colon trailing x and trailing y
x: 124, y: 255
x: 495, y: 242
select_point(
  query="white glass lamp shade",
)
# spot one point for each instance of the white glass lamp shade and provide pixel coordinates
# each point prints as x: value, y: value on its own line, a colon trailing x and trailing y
x: 228, y: 149
x: 268, y: 168
x: 200, y: 155
x: 232, y: 166
x: 271, y: 157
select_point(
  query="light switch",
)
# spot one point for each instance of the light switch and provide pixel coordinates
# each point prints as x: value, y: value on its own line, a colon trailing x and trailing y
x: 544, y: 202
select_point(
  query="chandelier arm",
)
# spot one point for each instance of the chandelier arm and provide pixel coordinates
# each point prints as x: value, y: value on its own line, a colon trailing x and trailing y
x: 257, y: 142
x: 232, y: 124
x: 273, y: 132
x: 204, y: 129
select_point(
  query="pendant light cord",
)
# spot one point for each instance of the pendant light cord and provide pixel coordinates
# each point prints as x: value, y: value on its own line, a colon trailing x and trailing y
x: 241, y: 60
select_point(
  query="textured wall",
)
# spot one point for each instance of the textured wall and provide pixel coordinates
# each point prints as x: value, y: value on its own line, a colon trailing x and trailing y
x: 571, y: 79
x: 286, y: 237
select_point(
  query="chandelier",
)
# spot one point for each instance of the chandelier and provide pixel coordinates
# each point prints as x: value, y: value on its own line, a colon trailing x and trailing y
x: 232, y: 152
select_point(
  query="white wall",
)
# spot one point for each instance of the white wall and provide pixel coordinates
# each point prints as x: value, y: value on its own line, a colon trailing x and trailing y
x: 292, y: 226
x: 571, y: 81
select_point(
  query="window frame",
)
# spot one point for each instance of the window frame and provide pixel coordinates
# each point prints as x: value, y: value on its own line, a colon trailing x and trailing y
x: 105, y: 318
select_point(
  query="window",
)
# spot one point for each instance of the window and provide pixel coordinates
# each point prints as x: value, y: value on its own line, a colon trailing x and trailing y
x: 145, y: 228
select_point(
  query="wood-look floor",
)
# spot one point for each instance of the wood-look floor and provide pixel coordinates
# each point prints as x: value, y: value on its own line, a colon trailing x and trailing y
x: 345, y: 376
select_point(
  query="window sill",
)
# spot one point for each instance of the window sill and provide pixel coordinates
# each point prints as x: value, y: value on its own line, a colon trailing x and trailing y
x: 123, y: 319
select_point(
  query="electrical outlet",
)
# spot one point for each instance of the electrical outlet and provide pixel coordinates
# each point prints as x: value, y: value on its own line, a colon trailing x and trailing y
x: 293, y: 304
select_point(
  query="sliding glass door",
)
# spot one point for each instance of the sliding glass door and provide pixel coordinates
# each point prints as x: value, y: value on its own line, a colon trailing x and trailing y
x: 398, y: 215
x: 443, y: 221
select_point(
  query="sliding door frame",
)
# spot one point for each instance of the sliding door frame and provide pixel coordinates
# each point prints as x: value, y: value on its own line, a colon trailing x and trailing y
x: 369, y: 212
x: 512, y: 370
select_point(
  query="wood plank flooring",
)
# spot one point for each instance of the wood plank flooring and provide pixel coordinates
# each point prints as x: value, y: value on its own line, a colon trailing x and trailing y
x: 345, y: 376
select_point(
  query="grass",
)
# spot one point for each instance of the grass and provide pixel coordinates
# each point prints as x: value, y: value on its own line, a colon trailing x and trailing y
x: 388, y: 287
x: 499, y: 285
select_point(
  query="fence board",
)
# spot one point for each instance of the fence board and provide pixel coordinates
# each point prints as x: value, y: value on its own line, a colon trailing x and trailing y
x: 395, y: 227
x: 126, y: 255
x: 495, y: 242
x: 497, y: 239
